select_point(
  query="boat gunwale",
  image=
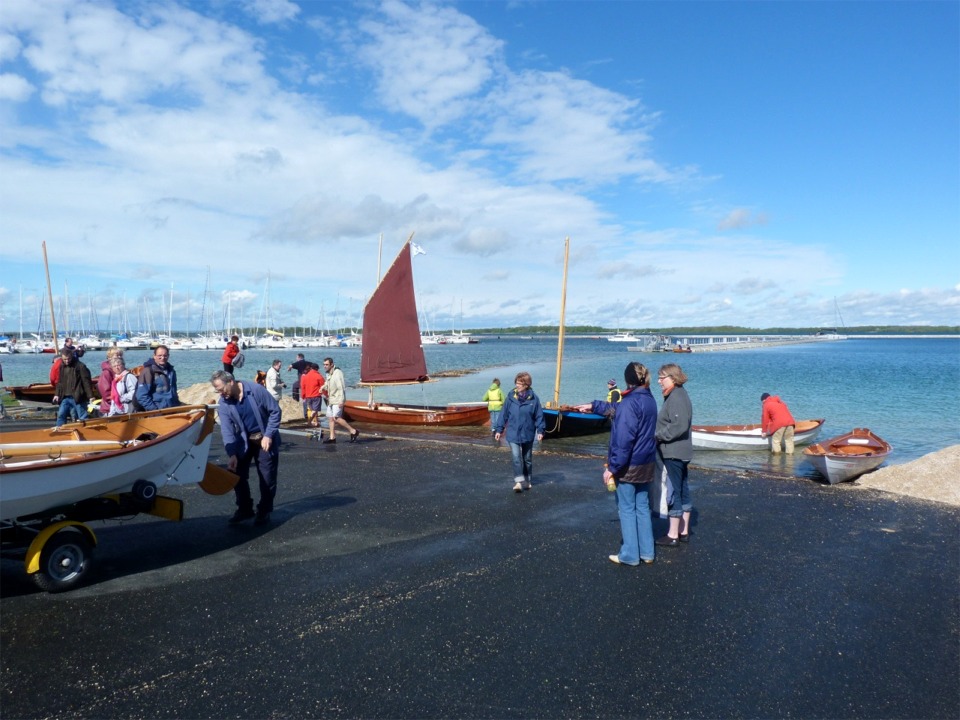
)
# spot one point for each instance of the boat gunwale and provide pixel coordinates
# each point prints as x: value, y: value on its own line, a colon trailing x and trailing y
x: 80, y: 457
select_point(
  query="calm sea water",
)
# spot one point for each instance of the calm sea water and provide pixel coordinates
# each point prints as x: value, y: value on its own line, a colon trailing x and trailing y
x: 906, y: 390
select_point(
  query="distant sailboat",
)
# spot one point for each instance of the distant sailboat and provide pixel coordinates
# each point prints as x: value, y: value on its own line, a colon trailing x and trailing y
x: 392, y: 354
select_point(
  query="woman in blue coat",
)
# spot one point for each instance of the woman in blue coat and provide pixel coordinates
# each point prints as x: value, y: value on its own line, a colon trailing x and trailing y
x: 523, y: 417
x: 632, y: 462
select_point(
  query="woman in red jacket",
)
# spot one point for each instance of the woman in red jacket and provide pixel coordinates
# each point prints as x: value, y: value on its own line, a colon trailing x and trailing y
x: 231, y: 351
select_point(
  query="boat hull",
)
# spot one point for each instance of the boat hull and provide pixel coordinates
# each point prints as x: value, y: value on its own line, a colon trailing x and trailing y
x: 571, y: 423
x: 428, y: 415
x: 69, y: 464
x: 848, y: 456
x: 748, y: 437
x: 35, y: 392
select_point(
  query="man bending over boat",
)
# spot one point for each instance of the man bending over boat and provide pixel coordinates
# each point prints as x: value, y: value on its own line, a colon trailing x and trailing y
x: 250, y: 426
x: 157, y: 386
x: 778, y: 423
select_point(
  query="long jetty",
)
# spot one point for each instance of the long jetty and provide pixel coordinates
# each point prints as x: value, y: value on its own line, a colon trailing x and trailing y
x: 720, y: 343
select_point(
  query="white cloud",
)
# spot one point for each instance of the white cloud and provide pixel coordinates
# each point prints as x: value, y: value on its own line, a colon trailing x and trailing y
x: 562, y: 128
x: 167, y: 128
x: 271, y: 11
x: 10, y: 47
x: 431, y: 62
x: 88, y: 51
x: 14, y: 88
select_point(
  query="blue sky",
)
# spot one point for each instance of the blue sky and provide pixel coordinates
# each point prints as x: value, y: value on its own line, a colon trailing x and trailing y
x: 714, y: 163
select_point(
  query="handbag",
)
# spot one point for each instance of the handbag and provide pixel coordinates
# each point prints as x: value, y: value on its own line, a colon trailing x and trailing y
x: 659, y: 490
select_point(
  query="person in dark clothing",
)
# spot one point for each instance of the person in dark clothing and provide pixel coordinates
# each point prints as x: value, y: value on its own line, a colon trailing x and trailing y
x: 523, y: 418
x: 74, y: 387
x: 300, y: 366
x: 675, y: 445
x: 631, y: 462
x: 157, y: 386
x: 250, y: 425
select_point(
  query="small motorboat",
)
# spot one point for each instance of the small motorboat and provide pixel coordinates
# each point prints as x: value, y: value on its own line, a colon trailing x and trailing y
x: 848, y: 456
x: 749, y: 437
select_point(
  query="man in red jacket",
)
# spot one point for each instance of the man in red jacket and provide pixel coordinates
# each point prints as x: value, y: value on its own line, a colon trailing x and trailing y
x: 777, y: 422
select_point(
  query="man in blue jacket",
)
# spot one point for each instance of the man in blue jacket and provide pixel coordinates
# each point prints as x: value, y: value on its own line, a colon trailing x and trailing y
x: 157, y: 383
x: 250, y: 426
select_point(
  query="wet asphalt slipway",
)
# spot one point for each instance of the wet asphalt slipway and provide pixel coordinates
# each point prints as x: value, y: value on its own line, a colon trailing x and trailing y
x: 403, y: 579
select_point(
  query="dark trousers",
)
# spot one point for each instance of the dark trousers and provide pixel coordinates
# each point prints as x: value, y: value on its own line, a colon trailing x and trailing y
x: 227, y: 367
x: 266, y: 464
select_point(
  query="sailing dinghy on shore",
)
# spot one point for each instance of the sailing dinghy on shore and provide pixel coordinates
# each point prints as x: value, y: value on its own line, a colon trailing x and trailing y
x: 392, y: 354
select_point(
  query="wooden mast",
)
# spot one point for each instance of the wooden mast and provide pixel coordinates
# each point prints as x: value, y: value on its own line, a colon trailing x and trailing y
x: 53, y: 315
x: 563, y: 312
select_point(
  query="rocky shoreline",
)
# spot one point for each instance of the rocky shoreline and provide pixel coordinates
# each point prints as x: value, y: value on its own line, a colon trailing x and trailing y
x: 934, y: 477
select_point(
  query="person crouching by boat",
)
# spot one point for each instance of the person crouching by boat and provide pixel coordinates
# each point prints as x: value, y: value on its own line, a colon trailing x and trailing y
x: 250, y: 427
x: 124, y: 388
x: 523, y: 418
x: 494, y: 398
x: 74, y: 387
x: 675, y: 445
x: 632, y: 462
x: 157, y: 386
x: 777, y: 423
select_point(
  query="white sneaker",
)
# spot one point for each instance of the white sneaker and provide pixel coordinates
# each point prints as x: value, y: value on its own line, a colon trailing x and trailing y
x: 517, y: 487
x: 527, y: 485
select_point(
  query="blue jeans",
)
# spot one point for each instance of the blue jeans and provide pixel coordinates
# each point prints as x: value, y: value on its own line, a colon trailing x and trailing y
x: 495, y: 419
x: 67, y: 406
x: 522, y: 461
x: 679, y: 501
x: 636, y: 527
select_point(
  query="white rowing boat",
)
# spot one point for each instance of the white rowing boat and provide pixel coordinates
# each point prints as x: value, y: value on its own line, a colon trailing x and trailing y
x: 48, y: 468
x: 748, y: 437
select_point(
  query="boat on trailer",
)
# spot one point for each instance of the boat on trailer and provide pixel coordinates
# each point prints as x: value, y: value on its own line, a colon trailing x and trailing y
x: 53, y: 481
x: 848, y: 456
x: 46, y: 468
x: 749, y: 437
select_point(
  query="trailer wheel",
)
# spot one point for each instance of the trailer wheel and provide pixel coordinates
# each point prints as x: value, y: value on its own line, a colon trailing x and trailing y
x: 144, y: 490
x: 64, y: 561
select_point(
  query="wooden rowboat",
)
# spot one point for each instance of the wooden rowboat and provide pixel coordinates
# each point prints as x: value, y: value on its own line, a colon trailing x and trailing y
x: 848, y: 456
x: 432, y: 415
x: 748, y: 437
x: 34, y: 392
x: 45, y: 469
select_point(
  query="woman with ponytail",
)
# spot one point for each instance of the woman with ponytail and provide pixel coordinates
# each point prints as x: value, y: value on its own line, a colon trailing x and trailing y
x: 631, y: 463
